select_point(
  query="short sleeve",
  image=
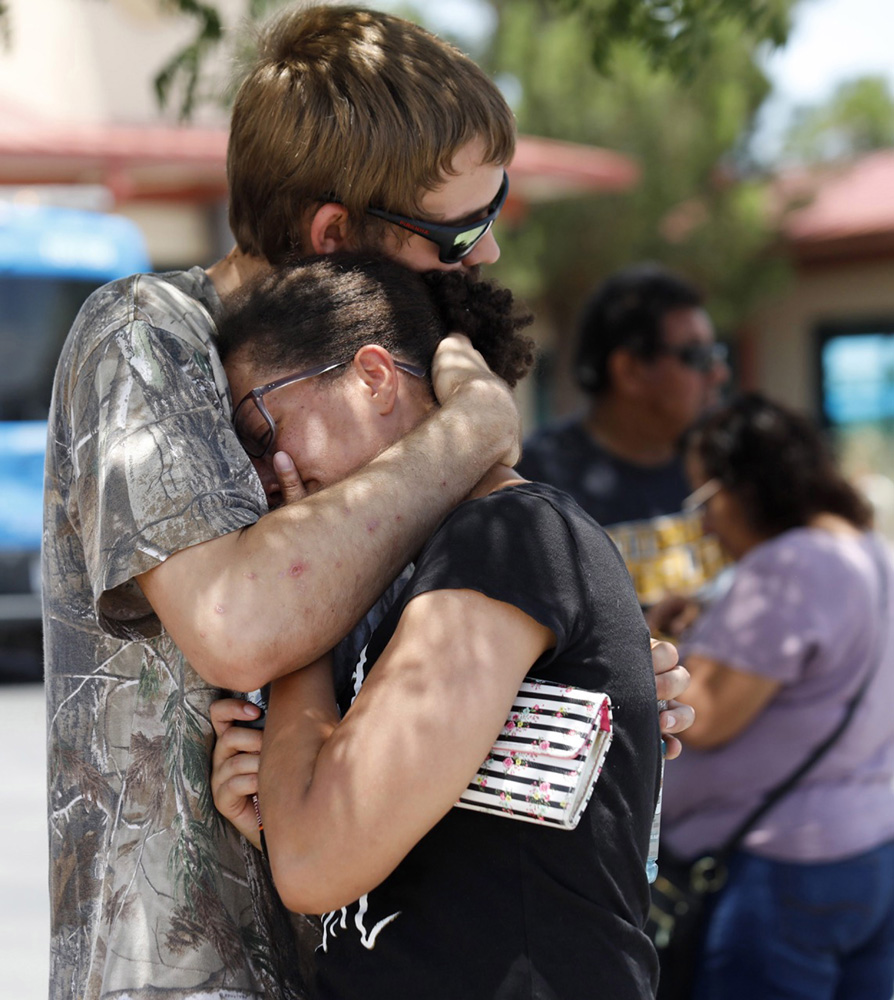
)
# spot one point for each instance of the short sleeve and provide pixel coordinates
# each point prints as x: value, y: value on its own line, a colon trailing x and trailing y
x: 513, y: 546
x: 767, y: 623
x: 155, y: 464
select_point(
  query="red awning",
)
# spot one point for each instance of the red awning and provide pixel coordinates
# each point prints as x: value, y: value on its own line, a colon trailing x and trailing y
x: 188, y: 163
x: 840, y: 210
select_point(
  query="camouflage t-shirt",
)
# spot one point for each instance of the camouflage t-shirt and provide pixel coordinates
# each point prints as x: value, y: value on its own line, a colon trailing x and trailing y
x: 152, y: 894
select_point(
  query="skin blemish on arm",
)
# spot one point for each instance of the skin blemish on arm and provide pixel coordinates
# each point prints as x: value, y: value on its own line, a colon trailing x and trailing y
x: 373, y: 525
x: 251, y: 576
x: 296, y: 569
x: 218, y: 609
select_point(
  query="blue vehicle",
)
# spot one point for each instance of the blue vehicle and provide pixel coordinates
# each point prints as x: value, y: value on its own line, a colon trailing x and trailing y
x: 51, y: 259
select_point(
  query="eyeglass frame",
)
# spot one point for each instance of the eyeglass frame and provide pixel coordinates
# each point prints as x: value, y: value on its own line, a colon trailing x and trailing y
x: 257, y: 394
x: 698, y: 498
x: 445, y: 236
x: 687, y: 354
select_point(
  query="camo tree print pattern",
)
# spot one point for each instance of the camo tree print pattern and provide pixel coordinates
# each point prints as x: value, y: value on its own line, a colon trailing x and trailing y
x: 153, y: 895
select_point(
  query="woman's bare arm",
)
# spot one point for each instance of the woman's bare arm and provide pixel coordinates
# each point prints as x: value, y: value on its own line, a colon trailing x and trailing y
x: 725, y: 700
x: 343, y: 802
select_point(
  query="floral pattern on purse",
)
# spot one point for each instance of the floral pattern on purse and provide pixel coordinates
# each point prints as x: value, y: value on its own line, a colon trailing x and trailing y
x: 545, y: 762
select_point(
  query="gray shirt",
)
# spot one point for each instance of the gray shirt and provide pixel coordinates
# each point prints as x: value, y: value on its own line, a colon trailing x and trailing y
x: 804, y: 609
x: 151, y: 892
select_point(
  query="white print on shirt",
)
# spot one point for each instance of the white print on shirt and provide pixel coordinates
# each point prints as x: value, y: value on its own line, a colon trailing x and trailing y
x: 331, y: 922
x: 359, y: 672
x: 367, y: 938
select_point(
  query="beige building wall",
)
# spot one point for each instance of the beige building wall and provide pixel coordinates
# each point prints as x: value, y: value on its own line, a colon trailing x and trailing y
x: 784, y: 333
x: 783, y: 339
x: 88, y: 62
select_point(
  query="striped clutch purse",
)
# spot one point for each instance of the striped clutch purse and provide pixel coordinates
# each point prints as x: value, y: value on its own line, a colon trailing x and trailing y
x: 545, y: 762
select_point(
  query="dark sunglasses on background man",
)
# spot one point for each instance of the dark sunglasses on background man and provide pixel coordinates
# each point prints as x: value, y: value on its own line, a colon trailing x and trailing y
x: 699, y: 357
x: 453, y: 242
x: 254, y: 426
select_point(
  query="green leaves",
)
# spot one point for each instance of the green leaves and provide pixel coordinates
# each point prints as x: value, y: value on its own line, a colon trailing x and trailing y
x: 184, y: 67
x: 858, y: 118
x: 676, y: 35
x: 687, y: 127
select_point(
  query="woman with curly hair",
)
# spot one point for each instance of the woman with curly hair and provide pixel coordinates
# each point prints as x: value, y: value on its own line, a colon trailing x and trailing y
x: 359, y: 772
x: 807, y: 910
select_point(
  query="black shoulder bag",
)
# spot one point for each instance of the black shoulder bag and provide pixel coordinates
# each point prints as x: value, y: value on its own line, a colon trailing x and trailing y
x: 678, y: 911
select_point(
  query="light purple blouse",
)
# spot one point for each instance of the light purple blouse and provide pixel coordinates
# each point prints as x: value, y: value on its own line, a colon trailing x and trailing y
x: 804, y: 609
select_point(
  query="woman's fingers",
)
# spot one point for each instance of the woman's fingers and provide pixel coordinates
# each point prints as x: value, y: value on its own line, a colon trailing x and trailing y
x: 227, y: 711
x: 290, y: 483
x: 234, y: 766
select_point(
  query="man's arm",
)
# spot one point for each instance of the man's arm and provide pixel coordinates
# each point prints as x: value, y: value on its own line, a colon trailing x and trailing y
x: 254, y: 604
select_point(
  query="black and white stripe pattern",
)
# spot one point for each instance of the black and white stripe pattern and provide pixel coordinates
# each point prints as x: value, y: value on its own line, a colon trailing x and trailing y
x: 545, y: 762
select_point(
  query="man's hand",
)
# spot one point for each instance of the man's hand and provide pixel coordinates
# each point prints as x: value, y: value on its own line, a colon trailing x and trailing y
x: 457, y: 367
x: 671, y: 680
x: 234, y: 765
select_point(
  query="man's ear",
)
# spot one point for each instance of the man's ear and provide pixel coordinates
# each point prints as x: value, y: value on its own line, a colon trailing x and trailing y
x: 625, y: 372
x: 330, y: 229
x: 374, y: 366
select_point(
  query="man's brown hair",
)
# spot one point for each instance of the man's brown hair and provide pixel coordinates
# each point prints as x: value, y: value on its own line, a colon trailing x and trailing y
x: 356, y: 106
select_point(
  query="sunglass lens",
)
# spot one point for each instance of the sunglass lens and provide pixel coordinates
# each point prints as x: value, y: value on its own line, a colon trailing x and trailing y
x: 463, y: 243
x: 702, y: 357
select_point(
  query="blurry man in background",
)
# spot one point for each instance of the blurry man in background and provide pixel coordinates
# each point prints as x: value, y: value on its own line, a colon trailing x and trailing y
x: 648, y: 360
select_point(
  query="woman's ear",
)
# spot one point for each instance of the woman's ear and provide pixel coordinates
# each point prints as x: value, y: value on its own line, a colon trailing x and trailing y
x: 374, y: 366
x: 330, y: 229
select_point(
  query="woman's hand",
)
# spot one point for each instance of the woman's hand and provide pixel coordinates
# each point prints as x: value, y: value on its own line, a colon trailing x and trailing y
x: 672, y: 615
x: 671, y: 680
x: 234, y: 765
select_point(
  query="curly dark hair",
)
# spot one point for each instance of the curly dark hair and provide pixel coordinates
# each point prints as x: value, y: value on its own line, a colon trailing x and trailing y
x: 326, y: 308
x: 777, y: 463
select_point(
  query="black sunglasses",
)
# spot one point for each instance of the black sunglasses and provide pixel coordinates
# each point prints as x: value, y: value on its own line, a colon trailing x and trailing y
x: 702, y: 358
x: 256, y: 428
x: 453, y: 242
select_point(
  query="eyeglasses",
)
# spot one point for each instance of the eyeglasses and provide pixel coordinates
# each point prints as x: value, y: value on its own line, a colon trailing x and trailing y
x: 453, y: 242
x: 701, y: 496
x: 254, y: 426
x: 702, y: 358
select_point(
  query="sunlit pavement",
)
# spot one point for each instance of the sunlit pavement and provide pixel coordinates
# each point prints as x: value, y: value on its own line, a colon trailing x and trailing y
x: 24, y: 903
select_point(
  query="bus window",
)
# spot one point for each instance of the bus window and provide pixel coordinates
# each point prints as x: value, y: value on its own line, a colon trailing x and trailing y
x: 35, y: 316
x: 51, y: 259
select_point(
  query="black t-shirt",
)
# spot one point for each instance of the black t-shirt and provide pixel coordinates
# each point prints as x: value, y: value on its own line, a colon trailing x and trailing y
x: 664, y: 547
x: 609, y: 489
x: 485, y: 907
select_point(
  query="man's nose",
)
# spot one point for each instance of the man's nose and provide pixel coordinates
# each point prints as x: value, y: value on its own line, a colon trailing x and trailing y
x: 720, y: 373
x: 485, y: 251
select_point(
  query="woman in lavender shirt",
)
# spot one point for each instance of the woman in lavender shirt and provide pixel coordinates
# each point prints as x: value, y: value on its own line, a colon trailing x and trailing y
x: 808, y: 908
